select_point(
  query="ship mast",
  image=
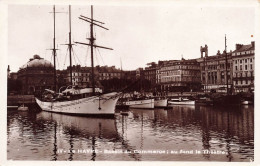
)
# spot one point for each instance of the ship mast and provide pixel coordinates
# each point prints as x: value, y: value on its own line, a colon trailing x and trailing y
x: 91, y: 46
x: 54, y: 52
x: 91, y: 43
x: 226, y: 62
x: 70, y: 45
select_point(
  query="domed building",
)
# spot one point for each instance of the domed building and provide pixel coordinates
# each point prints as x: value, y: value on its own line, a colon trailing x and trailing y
x: 36, y: 75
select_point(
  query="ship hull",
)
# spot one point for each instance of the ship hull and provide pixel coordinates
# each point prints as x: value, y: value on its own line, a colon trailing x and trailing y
x: 160, y: 103
x: 146, y: 103
x: 95, y: 105
x: 227, y: 100
x: 181, y: 102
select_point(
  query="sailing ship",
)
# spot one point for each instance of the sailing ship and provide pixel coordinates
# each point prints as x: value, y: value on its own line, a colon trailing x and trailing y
x: 86, y: 101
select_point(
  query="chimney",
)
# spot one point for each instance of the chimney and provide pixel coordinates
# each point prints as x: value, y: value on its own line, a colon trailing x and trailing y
x: 253, y: 44
x: 238, y: 46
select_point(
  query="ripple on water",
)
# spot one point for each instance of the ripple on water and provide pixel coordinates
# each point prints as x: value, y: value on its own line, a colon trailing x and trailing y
x: 179, y: 128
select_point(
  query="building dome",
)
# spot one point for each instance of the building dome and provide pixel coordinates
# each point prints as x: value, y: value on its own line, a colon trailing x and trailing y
x: 37, y: 61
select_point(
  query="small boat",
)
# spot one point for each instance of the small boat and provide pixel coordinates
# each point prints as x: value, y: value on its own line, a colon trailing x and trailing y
x: 121, y: 104
x: 204, y: 101
x: 22, y: 108
x: 160, y: 102
x: 140, y: 103
x: 246, y: 102
x: 181, y: 101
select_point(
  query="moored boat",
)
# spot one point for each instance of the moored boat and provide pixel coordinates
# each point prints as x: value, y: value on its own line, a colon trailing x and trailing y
x: 140, y: 103
x: 22, y: 108
x: 160, y: 102
x: 85, y: 101
x: 181, y: 101
x: 227, y: 100
x: 204, y: 101
x: 72, y: 104
x: 246, y: 102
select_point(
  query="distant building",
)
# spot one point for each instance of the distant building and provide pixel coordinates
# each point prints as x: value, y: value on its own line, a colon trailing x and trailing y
x: 81, y: 76
x: 150, y: 73
x: 131, y: 74
x: 8, y: 71
x: 214, y: 72
x: 106, y: 73
x: 36, y: 75
x: 243, y: 67
x: 13, y: 76
x: 178, y: 75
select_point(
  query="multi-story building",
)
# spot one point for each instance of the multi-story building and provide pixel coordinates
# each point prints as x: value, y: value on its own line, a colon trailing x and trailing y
x: 81, y: 76
x: 178, y: 75
x: 215, y: 70
x: 243, y: 67
x: 106, y: 73
x: 150, y: 73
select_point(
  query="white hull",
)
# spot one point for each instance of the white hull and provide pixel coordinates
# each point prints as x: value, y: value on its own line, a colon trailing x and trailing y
x: 181, y: 102
x: 103, y: 105
x: 146, y: 103
x: 160, y: 103
x: 246, y: 102
x: 22, y: 108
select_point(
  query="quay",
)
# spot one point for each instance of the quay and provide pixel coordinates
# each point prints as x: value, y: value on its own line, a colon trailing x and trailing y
x: 15, y: 100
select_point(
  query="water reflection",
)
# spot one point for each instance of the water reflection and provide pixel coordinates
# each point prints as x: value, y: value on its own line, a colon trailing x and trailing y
x: 50, y: 136
x: 75, y: 127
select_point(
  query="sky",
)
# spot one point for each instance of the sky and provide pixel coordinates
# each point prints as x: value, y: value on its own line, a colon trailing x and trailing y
x: 139, y: 34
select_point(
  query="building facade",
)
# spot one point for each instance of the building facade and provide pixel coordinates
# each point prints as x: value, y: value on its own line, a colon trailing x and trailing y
x: 216, y: 70
x: 81, y: 76
x: 243, y: 67
x: 36, y: 75
x: 150, y: 73
x: 178, y: 75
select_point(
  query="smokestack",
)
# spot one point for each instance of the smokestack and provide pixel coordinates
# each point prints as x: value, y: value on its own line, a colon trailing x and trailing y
x: 238, y: 46
x: 253, y: 44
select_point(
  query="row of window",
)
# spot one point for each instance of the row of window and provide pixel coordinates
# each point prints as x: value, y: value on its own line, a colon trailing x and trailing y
x: 101, y: 74
x: 179, y: 67
x: 244, y: 52
x: 244, y: 74
x: 243, y: 82
x: 244, y: 60
x: 215, y: 67
x: 245, y: 67
x: 179, y: 78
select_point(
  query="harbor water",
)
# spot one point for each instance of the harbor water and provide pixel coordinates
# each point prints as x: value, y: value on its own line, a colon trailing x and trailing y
x: 181, y: 133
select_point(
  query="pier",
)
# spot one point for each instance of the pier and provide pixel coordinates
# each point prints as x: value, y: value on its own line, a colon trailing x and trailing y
x: 13, y: 100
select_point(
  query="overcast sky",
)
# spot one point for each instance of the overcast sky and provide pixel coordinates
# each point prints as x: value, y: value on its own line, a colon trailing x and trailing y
x: 139, y: 34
